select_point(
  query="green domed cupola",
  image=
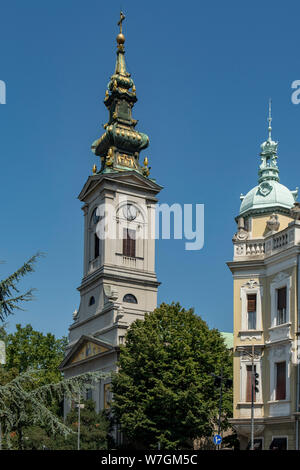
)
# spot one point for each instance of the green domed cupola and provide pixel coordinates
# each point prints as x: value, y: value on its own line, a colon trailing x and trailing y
x: 269, y: 194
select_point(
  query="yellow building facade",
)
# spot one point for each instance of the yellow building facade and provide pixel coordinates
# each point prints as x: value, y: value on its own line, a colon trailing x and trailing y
x: 266, y: 277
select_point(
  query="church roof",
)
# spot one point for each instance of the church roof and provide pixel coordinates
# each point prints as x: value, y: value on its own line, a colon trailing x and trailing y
x: 269, y: 194
x: 120, y: 145
x: 265, y: 196
x: 228, y: 339
x: 86, y: 348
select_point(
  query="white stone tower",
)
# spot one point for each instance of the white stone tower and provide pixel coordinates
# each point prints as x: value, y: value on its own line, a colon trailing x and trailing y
x: 119, y: 283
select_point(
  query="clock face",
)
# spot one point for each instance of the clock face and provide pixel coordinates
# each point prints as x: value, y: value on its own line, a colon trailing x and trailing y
x: 130, y: 212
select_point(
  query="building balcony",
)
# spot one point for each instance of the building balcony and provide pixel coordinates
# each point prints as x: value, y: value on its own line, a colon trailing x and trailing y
x: 245, y: 409
x: 94, y: 264
x: 270, y: 245
x: 129, y: 261
x: 279, y: 408
x: 250, y: 335
x: 279, y: 333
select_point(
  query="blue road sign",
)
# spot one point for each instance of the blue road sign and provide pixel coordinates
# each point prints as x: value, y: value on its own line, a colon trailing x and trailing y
x: 217, y: 439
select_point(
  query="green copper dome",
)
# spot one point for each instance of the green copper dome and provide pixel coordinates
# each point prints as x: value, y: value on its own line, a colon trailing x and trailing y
x: 269, y: 194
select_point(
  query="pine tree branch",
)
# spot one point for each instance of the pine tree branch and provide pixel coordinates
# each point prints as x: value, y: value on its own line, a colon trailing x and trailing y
x: 22, y: 405
x: 7, y: 286
x: 7, y: 307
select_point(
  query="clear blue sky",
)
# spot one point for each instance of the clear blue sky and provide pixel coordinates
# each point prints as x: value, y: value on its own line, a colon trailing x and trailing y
x: 204, y: 72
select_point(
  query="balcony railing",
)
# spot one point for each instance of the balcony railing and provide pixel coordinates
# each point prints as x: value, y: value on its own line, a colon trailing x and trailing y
x: 130, y: 262
x: 268, y: 246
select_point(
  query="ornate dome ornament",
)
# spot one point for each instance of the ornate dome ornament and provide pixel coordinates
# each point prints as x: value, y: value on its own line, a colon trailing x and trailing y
x: 273, y: 223
x: 269, y: 193
x: 75, y: 314
x: 295, y: 211
x: 242, y: 234
x: 120, y: 145
x: 265, y: 188
x: 268, y: 169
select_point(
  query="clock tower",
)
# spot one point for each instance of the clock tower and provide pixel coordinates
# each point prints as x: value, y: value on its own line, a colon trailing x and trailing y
x: 119, y: 283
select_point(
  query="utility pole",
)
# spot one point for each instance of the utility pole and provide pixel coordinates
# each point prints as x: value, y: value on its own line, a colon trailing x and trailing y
x: 78, y: 435
x: 79, y: 406
x: 220, y: 402
x: 219, y: 379
x: 254, y: 382
x: 252, y: 398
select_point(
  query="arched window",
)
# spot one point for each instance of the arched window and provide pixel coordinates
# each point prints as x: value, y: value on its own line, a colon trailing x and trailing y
x: 95, y: 217
x: 92, y: 301
x: 96, y: 246
x: 130, y: 298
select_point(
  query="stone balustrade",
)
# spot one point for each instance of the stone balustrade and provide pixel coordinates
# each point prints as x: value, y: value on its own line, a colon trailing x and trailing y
x: 268, y: 246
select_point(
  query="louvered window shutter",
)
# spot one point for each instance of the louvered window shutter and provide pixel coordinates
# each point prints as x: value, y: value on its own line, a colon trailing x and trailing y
x: 251, y: 303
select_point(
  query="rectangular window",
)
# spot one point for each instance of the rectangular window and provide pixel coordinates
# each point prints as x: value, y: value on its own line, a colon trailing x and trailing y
x: 258, y: 444
x: 280, y: 381
x: 249, y: 384
x: 129, y: 243
x: 251, y: 308
x: 281, y: 306
x: 279, y: 443
x: 96, y: 246
x: 121, y: 339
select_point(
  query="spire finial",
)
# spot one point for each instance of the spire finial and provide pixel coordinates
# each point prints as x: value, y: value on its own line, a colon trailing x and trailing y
x: 121, y: 37
x: 120, y: 145
x: 270, y: 119
x: 268, y: 169
x: 122, y: 18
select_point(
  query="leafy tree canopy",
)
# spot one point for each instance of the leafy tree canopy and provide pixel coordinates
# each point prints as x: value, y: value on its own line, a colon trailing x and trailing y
x: 27, y: 348
x: 164, y: 392
x: 23, y: 404
x: 94, y: 430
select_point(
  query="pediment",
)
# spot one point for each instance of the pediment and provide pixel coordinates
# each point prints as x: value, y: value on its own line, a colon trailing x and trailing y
x: 280, y: 277
x: 85, y: 348
x: 130, y: 178
x: 134, y: 177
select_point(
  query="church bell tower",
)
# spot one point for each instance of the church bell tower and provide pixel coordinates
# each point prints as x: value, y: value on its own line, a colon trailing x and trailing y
x: 119, y: 283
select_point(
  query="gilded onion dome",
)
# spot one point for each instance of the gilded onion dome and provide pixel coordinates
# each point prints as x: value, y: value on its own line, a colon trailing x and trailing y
x: 120, y: 145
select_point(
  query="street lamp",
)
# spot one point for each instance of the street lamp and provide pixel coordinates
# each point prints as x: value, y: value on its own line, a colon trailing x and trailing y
x: 254, y: 382
x: 219, y: 379
x: 80, y: 406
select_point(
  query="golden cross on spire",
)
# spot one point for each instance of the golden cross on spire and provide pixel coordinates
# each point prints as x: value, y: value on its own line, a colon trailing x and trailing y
x: 122, y: 18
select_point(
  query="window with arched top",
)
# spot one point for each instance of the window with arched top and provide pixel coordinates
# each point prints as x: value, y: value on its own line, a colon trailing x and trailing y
x: 95, y: 217
x: 130, y: 298
x: 92, y: 301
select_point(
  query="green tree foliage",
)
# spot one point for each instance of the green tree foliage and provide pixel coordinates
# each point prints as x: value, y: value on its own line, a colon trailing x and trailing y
x: 30, y: 349
x: 10, y: 296
x: 22, y: 405
x: 27, y: 348
x: 164, y: 392
x: 94, y: 430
